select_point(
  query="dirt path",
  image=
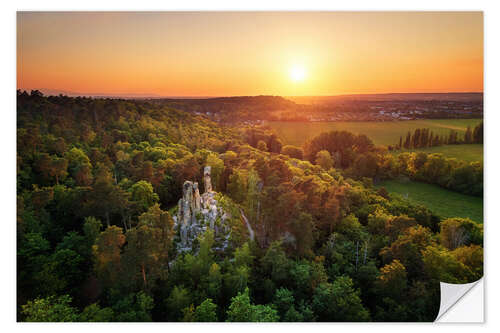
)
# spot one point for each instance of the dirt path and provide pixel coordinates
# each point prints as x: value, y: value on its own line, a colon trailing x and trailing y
x: 249, y: 227
x: 456, y: 128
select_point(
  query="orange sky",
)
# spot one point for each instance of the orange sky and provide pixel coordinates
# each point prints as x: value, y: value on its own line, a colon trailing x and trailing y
x: 250, y: 53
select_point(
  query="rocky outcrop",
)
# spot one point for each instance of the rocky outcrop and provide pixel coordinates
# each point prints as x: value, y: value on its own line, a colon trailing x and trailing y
x: 196, y: 213
x: 206, y: 179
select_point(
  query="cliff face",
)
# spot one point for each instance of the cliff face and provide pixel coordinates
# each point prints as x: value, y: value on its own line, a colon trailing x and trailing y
x: 197, y: 213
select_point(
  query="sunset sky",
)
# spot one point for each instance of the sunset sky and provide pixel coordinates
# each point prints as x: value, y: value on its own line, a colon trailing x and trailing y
x: 250, y: 53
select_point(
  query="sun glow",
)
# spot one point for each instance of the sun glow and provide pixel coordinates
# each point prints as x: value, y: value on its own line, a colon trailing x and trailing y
x: 297, y: 73
x: 299, y: 53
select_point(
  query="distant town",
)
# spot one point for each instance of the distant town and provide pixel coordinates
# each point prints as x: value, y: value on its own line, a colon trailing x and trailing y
x: 384, y: 107
x: 396, y: 110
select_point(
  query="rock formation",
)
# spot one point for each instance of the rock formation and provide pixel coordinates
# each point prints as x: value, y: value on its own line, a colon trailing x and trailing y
x: 206, y: 179
x: 197, y: 213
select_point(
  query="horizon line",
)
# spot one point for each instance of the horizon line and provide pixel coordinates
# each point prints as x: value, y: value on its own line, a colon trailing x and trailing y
x: 57, y: 92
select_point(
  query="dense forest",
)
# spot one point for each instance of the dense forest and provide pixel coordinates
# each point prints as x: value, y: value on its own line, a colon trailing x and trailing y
x: 303, y: 234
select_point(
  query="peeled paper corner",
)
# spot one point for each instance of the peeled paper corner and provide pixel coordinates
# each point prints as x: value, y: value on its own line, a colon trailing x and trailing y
x: 461, y: 303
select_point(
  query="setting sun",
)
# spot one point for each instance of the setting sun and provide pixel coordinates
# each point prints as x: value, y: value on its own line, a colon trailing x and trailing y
x: 317, y: 57
x: 297, y: 73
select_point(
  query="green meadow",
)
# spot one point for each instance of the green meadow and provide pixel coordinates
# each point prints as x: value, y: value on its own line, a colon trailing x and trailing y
x: 382, y: 133
x: 441, y: 201
x: 469, y: 153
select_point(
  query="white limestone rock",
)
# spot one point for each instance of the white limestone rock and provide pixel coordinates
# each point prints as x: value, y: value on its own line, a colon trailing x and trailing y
x: 195, y: 212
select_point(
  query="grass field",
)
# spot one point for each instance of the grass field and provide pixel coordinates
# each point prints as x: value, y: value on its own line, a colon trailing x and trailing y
x: 441, y: 201
x: 382, y: 133
x: 469, y: 153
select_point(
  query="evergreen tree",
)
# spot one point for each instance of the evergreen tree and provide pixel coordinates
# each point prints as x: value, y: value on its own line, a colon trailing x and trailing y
x: 478, y: 133
x: 407, y: 143
x: 468, y: 135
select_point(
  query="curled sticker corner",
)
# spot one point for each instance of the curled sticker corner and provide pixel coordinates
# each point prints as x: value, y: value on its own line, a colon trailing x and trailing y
x: 451, y: 294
